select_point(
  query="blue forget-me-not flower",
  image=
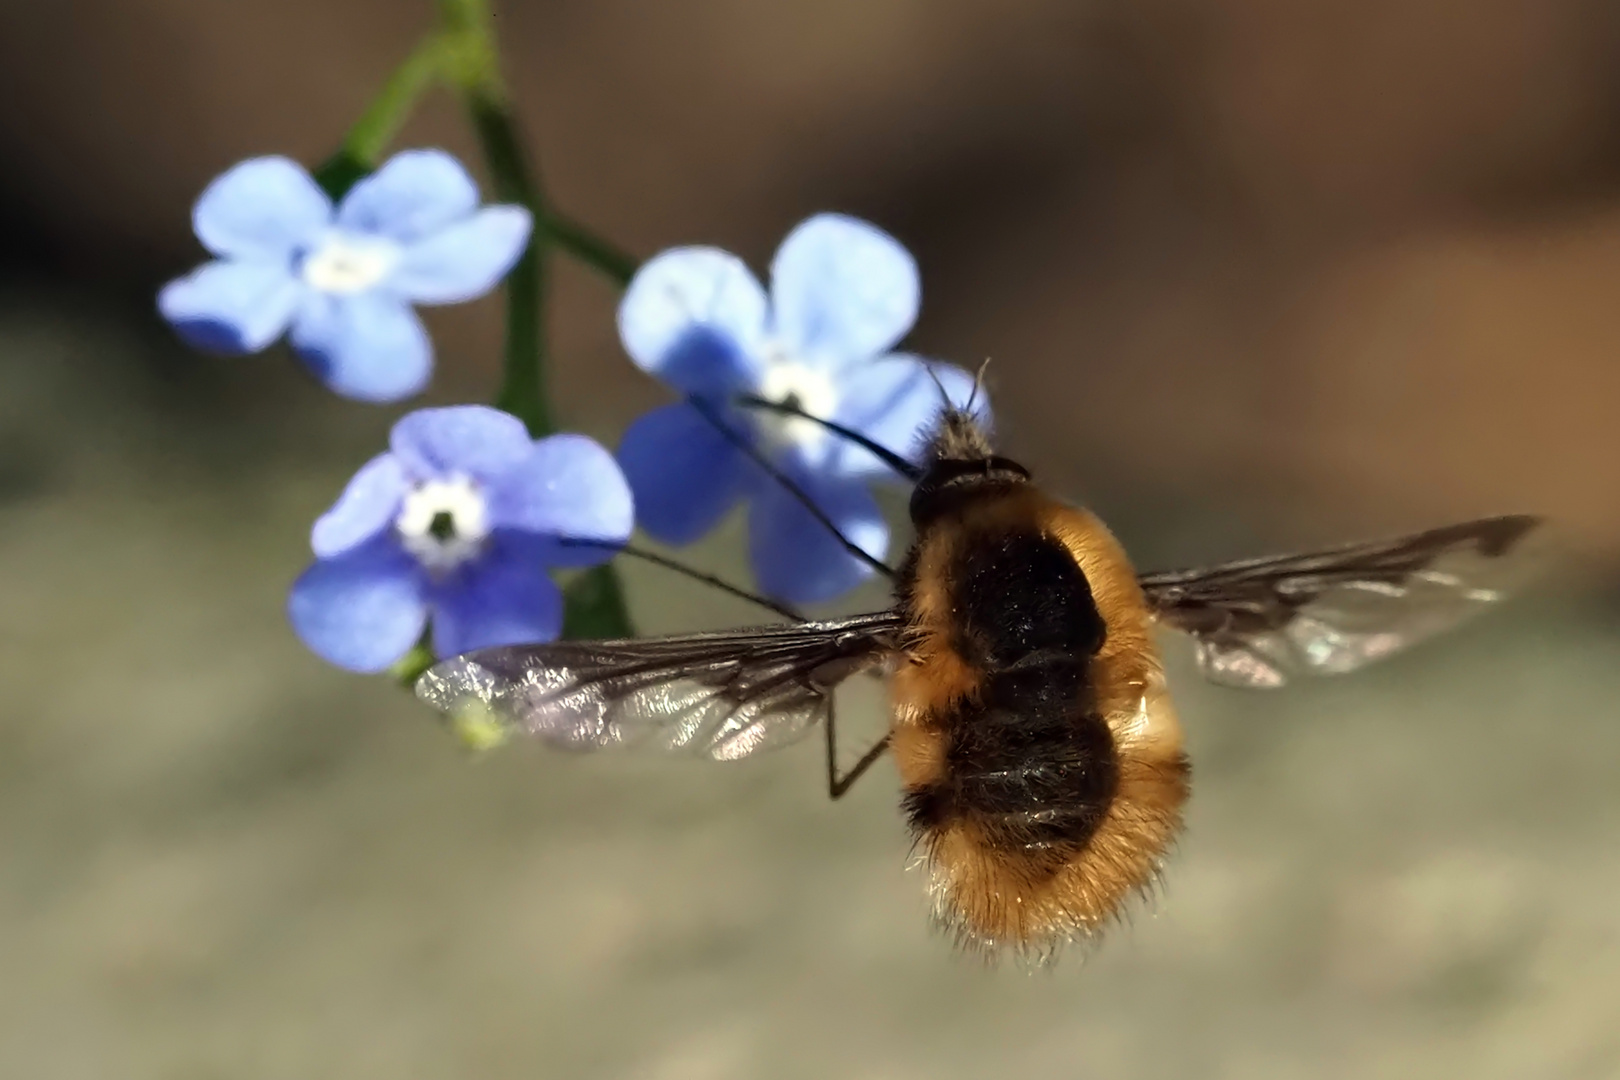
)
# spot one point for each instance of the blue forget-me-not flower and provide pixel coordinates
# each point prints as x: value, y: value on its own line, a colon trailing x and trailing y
x: 342, y: 279
x: 842, y: 294
x: 458, y: 522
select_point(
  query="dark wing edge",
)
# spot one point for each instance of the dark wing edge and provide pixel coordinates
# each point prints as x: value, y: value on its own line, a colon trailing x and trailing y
x: 1258, y: 621
x: 723, y: 695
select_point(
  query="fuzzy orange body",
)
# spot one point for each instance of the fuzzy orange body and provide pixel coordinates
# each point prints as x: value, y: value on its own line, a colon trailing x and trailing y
x: 1032, y: 730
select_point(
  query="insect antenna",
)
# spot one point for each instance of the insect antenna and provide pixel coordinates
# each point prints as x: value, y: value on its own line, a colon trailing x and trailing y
x: 948, y: 406
x: 888, y: 457
x: 696, y: 575
x: 978, y: 384
x: 958, y: 434
x: 945, y: 401
x: 707, y: 411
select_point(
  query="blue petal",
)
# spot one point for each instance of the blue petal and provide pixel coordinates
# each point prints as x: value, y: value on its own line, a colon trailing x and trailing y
x: 232, y: 307
x: 795, y: 557
x: 684, y: 474
x: 569, y: 488
x: 695, y: 317
x: 842, y: 290
x: 464, y: 260
x: 264, y: 208
x: 414, y: 194
x: 473, y: 440
x: 894, y: 403
x: 366, y: 507
x: 362, y: 610
x: 503, y: 599
x: 370, y: 346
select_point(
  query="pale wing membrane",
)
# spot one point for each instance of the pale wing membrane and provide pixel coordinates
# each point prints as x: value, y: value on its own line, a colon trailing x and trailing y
x: 724, y: 695
x: 1260, y: 621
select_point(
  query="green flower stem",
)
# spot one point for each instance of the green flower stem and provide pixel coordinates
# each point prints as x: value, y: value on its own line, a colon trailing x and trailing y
x: 594, y: 606
x: 590, y: 249
x: 595, y: 602
x: 386, y: 115
x: 523, y: 390
x: 469, y: 27
x: 473, y: 68
x: 408, y: 668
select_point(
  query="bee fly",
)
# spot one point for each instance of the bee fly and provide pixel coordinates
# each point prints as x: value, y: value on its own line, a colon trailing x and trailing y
x: 1040, y: 755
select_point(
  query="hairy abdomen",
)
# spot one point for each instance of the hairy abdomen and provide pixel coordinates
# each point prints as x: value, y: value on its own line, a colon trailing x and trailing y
x: 1041, y: 761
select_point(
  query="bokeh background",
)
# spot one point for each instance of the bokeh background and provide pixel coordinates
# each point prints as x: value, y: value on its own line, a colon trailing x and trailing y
x: 1254, y: 274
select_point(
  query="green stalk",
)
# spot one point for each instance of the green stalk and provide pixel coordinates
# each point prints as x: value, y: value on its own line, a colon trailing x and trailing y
x: 408, y: 668
x: 595, y: 602
x: 473, y: 67
x: 590, y: 249
x: 523, y: 390
x: 383, y: 118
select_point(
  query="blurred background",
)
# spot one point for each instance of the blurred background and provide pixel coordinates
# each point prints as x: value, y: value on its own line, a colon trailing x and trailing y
x: 1254, y: 275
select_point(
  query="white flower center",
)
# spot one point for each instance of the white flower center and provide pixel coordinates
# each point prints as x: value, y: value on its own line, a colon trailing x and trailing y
x: 790, y: 382
x: 344, y: 263
x: 444, y: 522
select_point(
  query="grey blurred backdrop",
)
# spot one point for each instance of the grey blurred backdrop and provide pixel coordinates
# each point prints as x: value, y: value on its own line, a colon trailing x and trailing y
x: 1254, y: 274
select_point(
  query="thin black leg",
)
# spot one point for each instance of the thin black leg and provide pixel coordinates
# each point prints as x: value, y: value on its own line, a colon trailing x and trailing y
x: 837, y: 785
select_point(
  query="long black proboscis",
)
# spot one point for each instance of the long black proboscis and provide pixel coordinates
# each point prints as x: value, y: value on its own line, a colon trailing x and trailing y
x: 889, y: 457
x: 706, y: 409
x: 695, y: 574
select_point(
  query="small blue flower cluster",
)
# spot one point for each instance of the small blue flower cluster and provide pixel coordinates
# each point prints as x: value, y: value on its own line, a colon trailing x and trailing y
x: 454, y: 531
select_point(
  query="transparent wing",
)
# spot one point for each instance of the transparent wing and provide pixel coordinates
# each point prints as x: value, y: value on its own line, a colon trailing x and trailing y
x: 724, y: 695
x: 1257, y: 622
